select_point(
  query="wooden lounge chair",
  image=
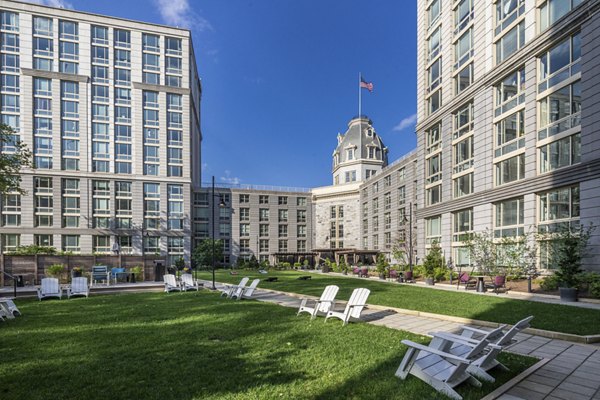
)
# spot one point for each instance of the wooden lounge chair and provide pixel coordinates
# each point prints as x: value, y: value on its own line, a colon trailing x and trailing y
x: 100, y: 273
x: 442, y: 371
x: 358, y: 301
x: 228, y: 290
x: 245, y: 292
x: 171, y: 284
x: 497, y: 335
x: 323, y: 305
x: 50, y: 288
x: 189, y: 283
x: 79, y: 287
x: 482, y: 354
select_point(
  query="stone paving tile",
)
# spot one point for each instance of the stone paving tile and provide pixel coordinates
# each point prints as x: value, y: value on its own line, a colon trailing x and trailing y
x: 539, y: 387
x: 568, y: 395
x: 535, y: 377
x: 509, y: 397
x: 558, y: 376
x: 525, y: 393
x: 583, y: 382
x: 579, y: 389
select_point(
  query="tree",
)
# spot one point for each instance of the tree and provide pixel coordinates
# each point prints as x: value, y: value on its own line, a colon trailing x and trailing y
x: 483, y: 252
x: 434, y: 259
x: 11, y: 161
x: 569, y: 247
x: 203, y: 253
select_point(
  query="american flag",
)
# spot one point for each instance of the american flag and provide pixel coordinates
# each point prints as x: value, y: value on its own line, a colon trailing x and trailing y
x: 366, y: 85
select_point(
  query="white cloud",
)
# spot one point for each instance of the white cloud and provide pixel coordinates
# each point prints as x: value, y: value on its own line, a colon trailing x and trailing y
x: 232, y: 180
x: 180, y: 13
x: 406, y: 123
x: 53, y: 3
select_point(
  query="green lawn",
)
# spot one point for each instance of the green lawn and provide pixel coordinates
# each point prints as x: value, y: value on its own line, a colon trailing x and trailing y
x: 553, y: 317
x: 202, y: 346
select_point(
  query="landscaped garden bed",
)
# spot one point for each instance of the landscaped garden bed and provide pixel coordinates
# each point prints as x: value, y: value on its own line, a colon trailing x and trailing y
x: 552, y: 317
x: 202, y: 346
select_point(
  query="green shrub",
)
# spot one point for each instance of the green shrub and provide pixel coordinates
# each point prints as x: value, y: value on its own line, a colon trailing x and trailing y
x: 56, y: 270
x: 586, y: 279
x: 440, y: 273
x: 418, y: 271
x: 549, y: 283
x: 595, y: 290
x: 33, y: 249
x: 297, y: 264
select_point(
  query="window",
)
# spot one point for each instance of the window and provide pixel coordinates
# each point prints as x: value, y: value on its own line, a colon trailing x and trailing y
x: 463, y: 79
x: 283, y: 200
x: 463, y: 155
x: 244, y: 229
x: 463, y: 15
x: 512, y: 41
x: 301, y: 201
x: 101, y: 244
x: 99, y: 74
x: 173, y: 66
x: 70, y: 243
x: 463, y: 49
x: 122, y: 96
x: 10, y: 83
x: 244, y: 198
x: 560, y: 111
x: 150, y: 42
x: 401, y: 195
x: 433, y: 138
x: 435, y: 75
x: 42, y: 26
x: 263, y: 230
x: 510, y: 134
x: 560, y: 62
x: 433, y: 168
x: 560, y: 153
x: 263, y: 199
x: 151, y: 62
x: 387, y: 201
x: 463, y: 121
x: 263, y: 214
x: 507, y: 11
x: 152, y: 245
x: 122, y: 77
x: 283, y: 246
x: 434, y: 43
x: 122, y: 58
x: 434, y: 11
x: 350, y: 176
x: 301, y: 216
x: 510, y: 170
x: 283, y: 215
x: 509, y: 218
x: 433, y: 195
x: 552, y: 10
x: 10, y: 42
x: 10, y: 21
x: 244, y: 214
x: 558, y: 209
x: 100, y: 35
x: 174, y: 102
x: 510, y: 91
x: 43, y: 240
x: 122, y: 38
x: 461, y: 233
x: 173, y: 46
x: 283, y: 230
x: 463, y: 185
x: 433, y: 230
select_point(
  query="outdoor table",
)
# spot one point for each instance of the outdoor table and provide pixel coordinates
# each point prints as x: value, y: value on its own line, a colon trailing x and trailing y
x: 480, y: 286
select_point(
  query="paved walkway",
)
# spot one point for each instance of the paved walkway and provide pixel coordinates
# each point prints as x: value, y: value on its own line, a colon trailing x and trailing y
x: 572, y: 372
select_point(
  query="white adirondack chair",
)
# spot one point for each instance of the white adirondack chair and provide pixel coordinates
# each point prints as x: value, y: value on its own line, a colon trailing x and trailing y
x: 322, y: 306
x: 50, y: 288
x: 245, y: 292
x: 171, y: 284
x: 482, y: 354
x: 8, y: 307
x: 358, y: 301
x: 442, y: 371
x: 79, y: 287
x: 229, y: 290
x: 189, y: 283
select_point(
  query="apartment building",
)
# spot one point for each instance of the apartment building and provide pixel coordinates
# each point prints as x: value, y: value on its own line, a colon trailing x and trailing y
x: 110, y: 109
x: 270, y: 223
x: 508, y: 133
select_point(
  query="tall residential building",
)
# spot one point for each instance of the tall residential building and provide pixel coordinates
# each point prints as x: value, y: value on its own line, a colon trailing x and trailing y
x: 508, y: 131
x: 111, y: 111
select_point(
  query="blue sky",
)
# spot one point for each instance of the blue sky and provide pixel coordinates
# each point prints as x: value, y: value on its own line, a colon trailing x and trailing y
x: 280, y: 78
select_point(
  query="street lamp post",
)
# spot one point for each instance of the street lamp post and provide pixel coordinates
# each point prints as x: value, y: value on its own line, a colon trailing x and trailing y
x: 410, y: 238
x: 221, y: 205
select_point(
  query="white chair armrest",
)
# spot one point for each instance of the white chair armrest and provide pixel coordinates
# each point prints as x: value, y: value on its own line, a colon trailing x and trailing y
x: 456, y: 338
x: 430, y: 350
x: 475, y: 330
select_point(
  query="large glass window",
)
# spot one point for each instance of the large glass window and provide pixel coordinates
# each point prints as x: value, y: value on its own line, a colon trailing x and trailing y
x: 463, y: 49
x: 463, y: 154
x: 463, y: 14
x: 510, y: 170
x: 560, y: 111
x: 463, y: 120
x: 510, y: 92
x: 509, y: 218
x: 510, y: 134
x: 560, y: 62
x: 435, y: 43
x: 433, y: 138
x: 560, y: 153
x: 463, y: 185
x: 507, y: 11
x: 552, y: 10
x: 433, y: 230
x: 558, y: 208
x: 434, y: 11
x: 512, y: 41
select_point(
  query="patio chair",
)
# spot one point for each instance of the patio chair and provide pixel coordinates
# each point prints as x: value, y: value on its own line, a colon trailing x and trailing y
x: 189, y: 283
x: 440, y: 370
x: 356, y: 271
x: 228, y: 290
x: 482, y: 354
x: 50, y: 287
x: 495, y: 336
x: 354, y: 307
x: 116, y: 272
x: 79, y: 287
x: 465, y: 279
x: 322, y: 306
x: 171, y: 284
x: 245, y: 292
x: 8, y: 308
x: 393, y: 275
x: 100, y: 273
x: 498, y: 282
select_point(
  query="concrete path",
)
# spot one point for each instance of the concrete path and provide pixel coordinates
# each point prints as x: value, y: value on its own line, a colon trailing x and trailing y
x: 572, y: 372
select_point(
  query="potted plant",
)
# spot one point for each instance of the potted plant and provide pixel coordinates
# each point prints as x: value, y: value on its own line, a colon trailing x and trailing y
x: 77, y: 272
x: 56, y: 270
x: 568, y: 249
x: 433, y: 260
x: 382, y: 265
x: 326, y: 266
x: 343, y: 267
x: 136, y: 272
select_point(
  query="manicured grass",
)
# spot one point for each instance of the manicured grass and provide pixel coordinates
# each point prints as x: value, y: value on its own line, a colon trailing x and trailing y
x: 553, y: 317
x: 202, y: 346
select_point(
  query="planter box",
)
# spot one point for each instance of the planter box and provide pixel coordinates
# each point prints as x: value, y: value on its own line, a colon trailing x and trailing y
x: 568, y: 294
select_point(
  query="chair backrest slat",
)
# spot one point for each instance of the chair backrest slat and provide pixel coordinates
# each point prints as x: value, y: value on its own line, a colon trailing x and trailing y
x: 187, y: 279
x: 510, y: 334
x: 50, y: 285
x: 327, y: 297
x: 79, y: 285
x: 359, y: 296
x: 170, y: 279
x: 250, y: 289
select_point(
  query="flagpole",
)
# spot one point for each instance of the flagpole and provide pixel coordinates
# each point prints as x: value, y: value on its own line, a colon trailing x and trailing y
x: 359, y: 96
